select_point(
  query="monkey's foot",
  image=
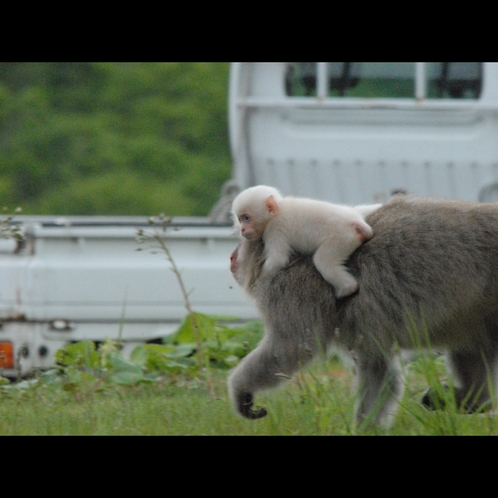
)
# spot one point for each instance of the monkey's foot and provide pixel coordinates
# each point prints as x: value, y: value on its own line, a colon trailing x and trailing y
x: 434, y: 399
x: 245, y: 404
x: 346, y: 290
x: 364, y: 231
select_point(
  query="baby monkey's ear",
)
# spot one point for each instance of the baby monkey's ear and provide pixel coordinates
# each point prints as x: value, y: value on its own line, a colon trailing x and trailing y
x: 271, y: 205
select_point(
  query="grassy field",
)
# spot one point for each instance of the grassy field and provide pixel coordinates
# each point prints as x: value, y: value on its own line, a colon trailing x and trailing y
x: 318, y: 401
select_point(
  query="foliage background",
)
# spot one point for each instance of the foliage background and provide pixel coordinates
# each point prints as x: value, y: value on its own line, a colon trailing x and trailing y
x: 113, y: 138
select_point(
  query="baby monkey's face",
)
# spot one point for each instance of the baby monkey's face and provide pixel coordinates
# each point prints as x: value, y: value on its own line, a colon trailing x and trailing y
x: 251, y: 227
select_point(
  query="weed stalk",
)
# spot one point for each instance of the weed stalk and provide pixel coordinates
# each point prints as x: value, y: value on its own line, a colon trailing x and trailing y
x: 165, y: 223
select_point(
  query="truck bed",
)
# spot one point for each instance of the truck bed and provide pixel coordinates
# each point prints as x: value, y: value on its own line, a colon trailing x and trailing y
x: 78, y: 278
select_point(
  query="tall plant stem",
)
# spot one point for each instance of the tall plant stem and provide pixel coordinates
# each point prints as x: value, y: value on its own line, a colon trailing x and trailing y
x: 186, y: 299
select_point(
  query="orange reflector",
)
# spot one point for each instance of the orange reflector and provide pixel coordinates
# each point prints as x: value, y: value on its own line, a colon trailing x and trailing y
x: 6, y: 355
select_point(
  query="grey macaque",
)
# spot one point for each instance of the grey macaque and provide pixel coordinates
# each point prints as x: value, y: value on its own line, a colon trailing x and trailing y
x: 429, y: 277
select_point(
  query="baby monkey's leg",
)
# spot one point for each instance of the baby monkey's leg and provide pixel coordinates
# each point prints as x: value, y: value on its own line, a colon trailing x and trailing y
x: 329, y: 261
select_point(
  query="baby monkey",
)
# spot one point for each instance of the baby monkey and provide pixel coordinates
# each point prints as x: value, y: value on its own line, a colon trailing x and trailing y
x: 329, y: 231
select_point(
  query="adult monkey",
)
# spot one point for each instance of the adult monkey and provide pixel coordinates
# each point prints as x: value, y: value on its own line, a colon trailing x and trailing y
x: 429, y: 276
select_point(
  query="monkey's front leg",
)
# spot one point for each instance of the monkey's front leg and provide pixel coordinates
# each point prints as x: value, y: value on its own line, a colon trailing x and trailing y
x: 276, y: 257
x: 263, y: 368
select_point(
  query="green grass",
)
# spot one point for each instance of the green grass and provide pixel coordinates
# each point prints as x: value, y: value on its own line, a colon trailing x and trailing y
x: 318, y: 401
x: 157, y: 409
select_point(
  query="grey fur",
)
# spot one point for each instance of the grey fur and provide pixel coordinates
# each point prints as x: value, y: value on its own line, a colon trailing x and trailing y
x: 428, y: 276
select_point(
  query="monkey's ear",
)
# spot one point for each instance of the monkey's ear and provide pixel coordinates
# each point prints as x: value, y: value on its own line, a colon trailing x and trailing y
x: 271, y: 205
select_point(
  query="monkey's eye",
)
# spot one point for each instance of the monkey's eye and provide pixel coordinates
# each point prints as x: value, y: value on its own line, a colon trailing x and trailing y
x: 244, y: 218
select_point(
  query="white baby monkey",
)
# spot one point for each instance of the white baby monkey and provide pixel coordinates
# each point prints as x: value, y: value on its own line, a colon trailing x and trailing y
x: 331, y: 231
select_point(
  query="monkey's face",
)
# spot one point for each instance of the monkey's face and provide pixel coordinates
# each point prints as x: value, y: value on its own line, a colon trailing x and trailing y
x: 251, y: 225
x: 234, y: 264
x: 253, y: 208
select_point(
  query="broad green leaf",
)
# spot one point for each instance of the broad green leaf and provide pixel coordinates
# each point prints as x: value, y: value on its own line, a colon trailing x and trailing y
x: 232, y: 360
x: 126, y: 377
x: 205, y: 325
x: 80, y: 354
x: 139, y: 355
x: 182, y: 351
x: 120, y: 364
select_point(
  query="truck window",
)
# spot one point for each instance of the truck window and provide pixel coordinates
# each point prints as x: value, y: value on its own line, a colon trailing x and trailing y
x: 439, y: 80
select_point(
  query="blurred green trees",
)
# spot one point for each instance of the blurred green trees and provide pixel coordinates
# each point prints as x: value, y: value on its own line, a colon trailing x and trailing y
x: 113, y: 138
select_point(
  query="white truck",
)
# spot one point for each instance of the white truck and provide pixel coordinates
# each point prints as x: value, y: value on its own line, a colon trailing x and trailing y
x: 345, y: 132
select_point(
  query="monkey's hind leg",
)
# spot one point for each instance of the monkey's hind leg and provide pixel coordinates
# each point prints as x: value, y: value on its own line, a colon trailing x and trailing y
x: 363, y: 230
x: 329, y: 262
x: 475, y: 375
x: 380, y: 387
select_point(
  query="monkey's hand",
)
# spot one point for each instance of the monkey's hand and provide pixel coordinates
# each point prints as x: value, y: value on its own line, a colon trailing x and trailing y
x: 244, y: 403
x: 275, y: 263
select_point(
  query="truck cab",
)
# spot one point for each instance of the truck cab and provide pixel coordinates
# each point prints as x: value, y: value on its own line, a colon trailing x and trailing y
x: 357, y: 132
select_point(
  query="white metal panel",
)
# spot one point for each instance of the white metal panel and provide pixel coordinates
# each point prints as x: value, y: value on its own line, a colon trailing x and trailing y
x: 87, y: 273
x: 13, y: 271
